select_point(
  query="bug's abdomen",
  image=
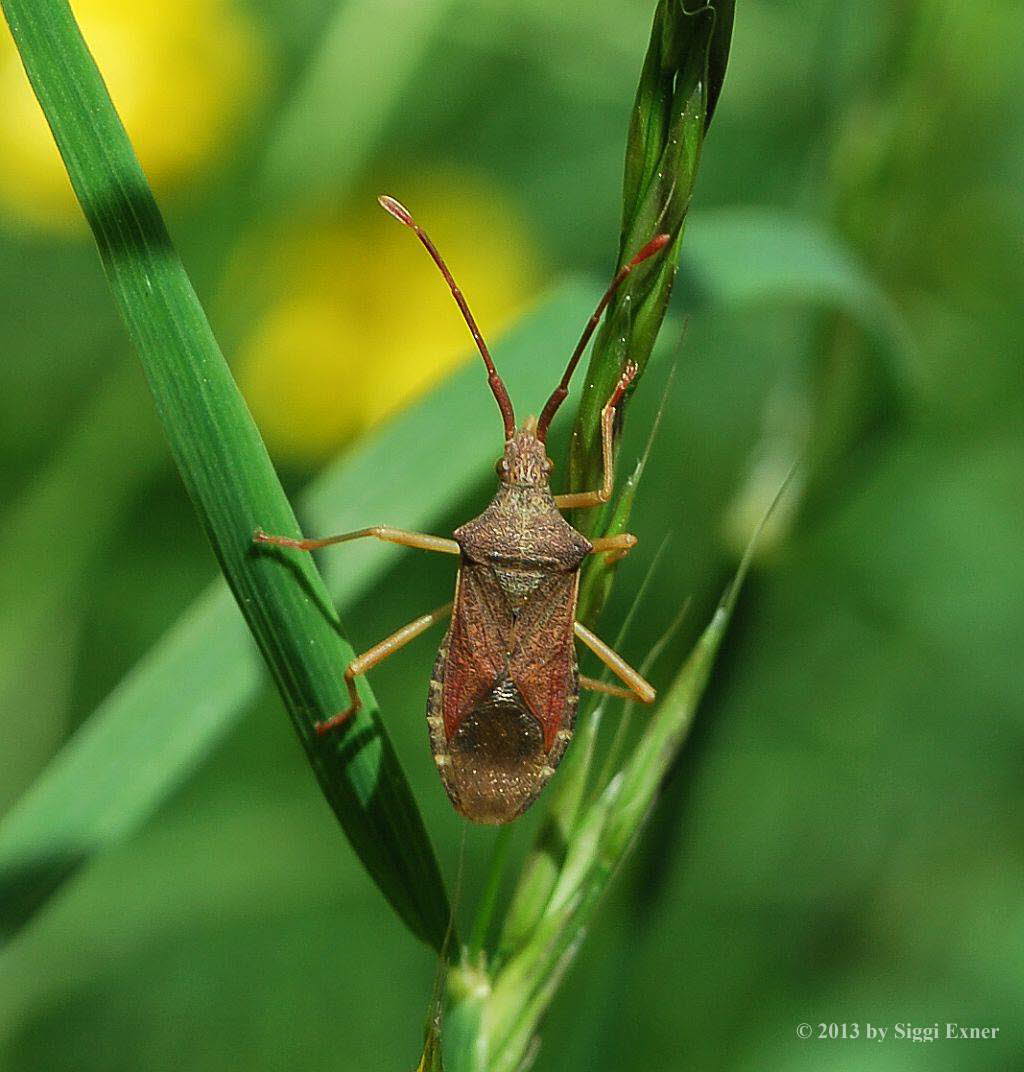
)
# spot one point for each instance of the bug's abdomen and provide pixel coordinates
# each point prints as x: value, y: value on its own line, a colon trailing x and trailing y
x: 495, y: 762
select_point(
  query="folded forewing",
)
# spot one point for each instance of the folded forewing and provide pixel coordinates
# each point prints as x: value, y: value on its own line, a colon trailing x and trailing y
x: 477, y: 642
x: 543, y: 659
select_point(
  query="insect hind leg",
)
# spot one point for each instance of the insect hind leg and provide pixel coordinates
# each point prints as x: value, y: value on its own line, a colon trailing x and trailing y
x: 637, y: 686
x: 377, y: 654
x: 594, y: 685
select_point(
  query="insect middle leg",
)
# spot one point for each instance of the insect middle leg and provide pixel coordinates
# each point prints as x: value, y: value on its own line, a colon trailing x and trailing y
x: 377, y: 654
x: 581, y: 500
x: 418, y: 540
x: 615, y: 547
x: 637, y: 686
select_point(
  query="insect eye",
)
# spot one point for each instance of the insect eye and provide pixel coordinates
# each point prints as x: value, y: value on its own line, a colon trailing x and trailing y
x: 501, y: 467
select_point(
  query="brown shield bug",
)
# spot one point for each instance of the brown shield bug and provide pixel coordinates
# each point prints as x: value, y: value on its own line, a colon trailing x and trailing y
x: 505, y: 687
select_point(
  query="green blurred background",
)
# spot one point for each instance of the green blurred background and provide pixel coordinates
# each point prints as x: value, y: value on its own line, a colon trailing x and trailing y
x: 841, y: 839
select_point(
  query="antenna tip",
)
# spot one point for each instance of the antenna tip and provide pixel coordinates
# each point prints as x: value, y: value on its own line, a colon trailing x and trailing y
x: 657, y: 243
x: 395, y: 208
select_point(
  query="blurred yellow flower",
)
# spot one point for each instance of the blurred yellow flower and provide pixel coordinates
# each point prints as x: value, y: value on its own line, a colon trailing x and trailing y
x: 363, y: 322
x: 180, y: 75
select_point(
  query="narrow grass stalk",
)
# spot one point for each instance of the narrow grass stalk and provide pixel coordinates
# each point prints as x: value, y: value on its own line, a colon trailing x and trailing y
x: 225, y: 466
x: 578, y: 844
x: 547, y: 854
x: 679, y: 86
x: 613, y: 757
x: 600, y: 841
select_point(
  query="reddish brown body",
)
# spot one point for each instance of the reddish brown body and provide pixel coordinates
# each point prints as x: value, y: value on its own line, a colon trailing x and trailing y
x: 505, y: 689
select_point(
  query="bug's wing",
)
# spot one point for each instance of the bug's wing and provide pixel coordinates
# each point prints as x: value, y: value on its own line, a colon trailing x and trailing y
x: 543, y: 661
x: 478, y: 638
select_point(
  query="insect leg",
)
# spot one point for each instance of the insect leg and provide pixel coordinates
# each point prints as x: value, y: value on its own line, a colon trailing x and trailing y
x: 600, y: 686
x: 616, y: 547
x: 418, y: 540
x: 581, y: 500
x: 377, y: 654
x: 618, y: 666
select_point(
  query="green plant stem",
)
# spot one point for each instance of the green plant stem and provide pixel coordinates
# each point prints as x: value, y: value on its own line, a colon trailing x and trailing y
x: 547, y: 854
x: 601, y: 840
x: 674, y: 103
x: 490, y: 898
x: 679, y: 86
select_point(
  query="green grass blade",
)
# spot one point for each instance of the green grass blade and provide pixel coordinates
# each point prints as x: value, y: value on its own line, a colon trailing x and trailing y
x: 74, y: 502
x: 855, y: 376
x: 687, y: 50
x: 718, y: 55
x: 225, y: 466
x: 100, y: 438
x: 596, y: 585
x: 613, y: 757
x: 487, y: 907
x: 175, y: 706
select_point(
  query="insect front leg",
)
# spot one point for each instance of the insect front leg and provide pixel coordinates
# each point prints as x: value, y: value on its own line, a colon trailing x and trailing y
x: 638, y: 687
x: 419, y: 540
x: 377, y: 654
x: 581, y: 500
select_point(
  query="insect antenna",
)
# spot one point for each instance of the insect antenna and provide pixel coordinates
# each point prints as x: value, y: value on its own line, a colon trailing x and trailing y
x: 402, y: 214
x: 558, y: 395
